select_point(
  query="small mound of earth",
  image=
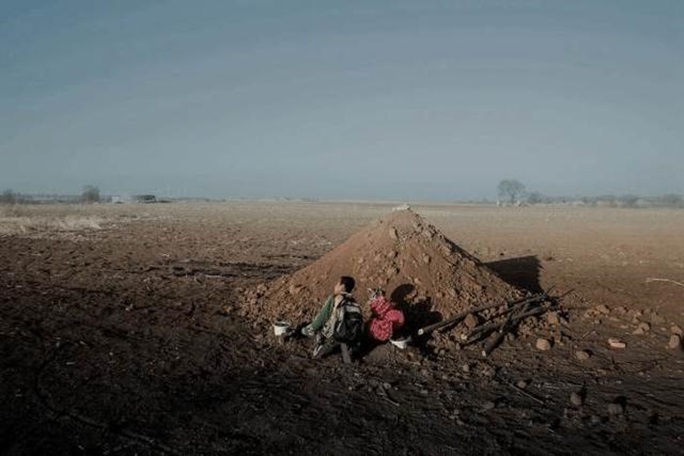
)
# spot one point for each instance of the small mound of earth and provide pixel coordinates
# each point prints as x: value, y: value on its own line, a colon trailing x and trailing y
x: 426, y: 274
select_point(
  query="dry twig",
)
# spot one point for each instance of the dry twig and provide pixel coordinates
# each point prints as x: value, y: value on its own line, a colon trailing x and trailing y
x: 653, y: 279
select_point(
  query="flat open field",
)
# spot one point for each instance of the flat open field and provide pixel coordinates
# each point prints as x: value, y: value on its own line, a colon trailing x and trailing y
x: 120, y: 333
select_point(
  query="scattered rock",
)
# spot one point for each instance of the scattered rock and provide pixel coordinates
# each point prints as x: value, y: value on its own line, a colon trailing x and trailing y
x: 393, y: 234
x: 595, y: 419
x: 675, y: 329
x: 424, y: 392
x: 616, y: 343
x: 465, y: 368
x: 642, y: 328
x: 602, y: 309
x: 576, y: 399
x: 621, y: 310
x: 582, y: 355
x: 615, y: 409
x: 471, y: 321
x: 522, y: 384
x: 552, y: 318
x: 675, y: 342
x: 488, y: 405
x: 543, y: 344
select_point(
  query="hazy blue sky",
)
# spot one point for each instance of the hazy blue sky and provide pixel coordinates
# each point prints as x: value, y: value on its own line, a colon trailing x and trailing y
x: 346, y: 99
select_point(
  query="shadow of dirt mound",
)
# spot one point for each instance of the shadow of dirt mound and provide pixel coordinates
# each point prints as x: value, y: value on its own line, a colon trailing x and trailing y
x: 522, y: 272
x: 417, y: 314
x: 401, y: 292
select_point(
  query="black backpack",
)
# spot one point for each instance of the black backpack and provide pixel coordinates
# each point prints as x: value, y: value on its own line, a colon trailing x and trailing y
x: 349, y: 326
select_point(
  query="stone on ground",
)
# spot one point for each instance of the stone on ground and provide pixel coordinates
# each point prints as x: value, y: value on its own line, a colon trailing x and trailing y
x: 642, y: 328
x: 543, y: 344
x: 576, y: 399
x: 582, y: 355
x: 616, y: 343
x: 615, y: 409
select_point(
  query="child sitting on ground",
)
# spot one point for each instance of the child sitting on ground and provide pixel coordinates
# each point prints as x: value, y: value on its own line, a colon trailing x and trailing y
x: 386, y: 319
x: 339, y: 322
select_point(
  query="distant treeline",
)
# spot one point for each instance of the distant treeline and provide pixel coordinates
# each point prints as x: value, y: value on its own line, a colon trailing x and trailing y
x: 10, y: 197
x: 667, y: 200
x: 91, y: 195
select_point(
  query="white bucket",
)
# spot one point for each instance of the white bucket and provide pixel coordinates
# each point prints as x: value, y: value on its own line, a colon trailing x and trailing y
x: 280, y: 328
x: 400, y: 343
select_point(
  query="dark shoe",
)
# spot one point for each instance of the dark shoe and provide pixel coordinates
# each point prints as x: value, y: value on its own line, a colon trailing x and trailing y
x: 323, y: 348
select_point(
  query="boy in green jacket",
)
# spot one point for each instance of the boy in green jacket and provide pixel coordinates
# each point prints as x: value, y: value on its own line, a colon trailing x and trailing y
x: 323, y: 325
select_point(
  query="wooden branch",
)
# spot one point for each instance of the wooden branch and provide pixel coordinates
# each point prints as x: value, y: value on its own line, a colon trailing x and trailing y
x: 525, y: 393
x: 493, y: 325
x: 504, y: 327
x: 465, y: 313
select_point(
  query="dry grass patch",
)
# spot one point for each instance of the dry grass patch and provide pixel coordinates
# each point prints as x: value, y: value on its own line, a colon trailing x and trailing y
x: 18, y: 219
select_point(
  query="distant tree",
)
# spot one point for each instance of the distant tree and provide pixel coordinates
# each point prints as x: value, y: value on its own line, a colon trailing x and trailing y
x: 91, y: 194
x: 535, y: 198
x: 8, y: 197
x: 672, y: 200
x: 628, y: 200
x: 511, y: 189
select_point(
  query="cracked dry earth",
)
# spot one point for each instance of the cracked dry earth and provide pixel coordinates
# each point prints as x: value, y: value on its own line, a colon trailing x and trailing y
x: 126, y: 337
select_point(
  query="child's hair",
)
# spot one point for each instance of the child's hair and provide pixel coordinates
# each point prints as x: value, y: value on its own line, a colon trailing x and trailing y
x: 348, y: 282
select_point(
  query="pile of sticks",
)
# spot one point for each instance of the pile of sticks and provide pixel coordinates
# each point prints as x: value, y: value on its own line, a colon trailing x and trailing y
x: 499, y: 324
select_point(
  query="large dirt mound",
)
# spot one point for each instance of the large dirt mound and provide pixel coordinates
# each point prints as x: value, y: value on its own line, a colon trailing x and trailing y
x: 419, y: 268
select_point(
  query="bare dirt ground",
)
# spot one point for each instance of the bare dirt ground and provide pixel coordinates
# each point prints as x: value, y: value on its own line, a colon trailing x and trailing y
x: 120, y: 334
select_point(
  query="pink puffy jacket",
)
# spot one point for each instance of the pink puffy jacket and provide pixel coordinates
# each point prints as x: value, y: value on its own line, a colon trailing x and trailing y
x: 385, y: 319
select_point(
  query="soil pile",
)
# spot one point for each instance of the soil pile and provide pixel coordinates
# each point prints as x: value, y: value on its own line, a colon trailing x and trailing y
x: 421, y: 270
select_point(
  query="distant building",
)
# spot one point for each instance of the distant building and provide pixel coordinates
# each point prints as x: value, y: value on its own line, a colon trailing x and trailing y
x: 144, y: 199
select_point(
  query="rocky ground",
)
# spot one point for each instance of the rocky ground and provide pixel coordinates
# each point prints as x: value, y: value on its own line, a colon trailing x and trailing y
x: 121, y: 333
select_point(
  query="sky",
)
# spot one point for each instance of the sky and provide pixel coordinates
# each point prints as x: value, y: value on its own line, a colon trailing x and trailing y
x: 402, y: 100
